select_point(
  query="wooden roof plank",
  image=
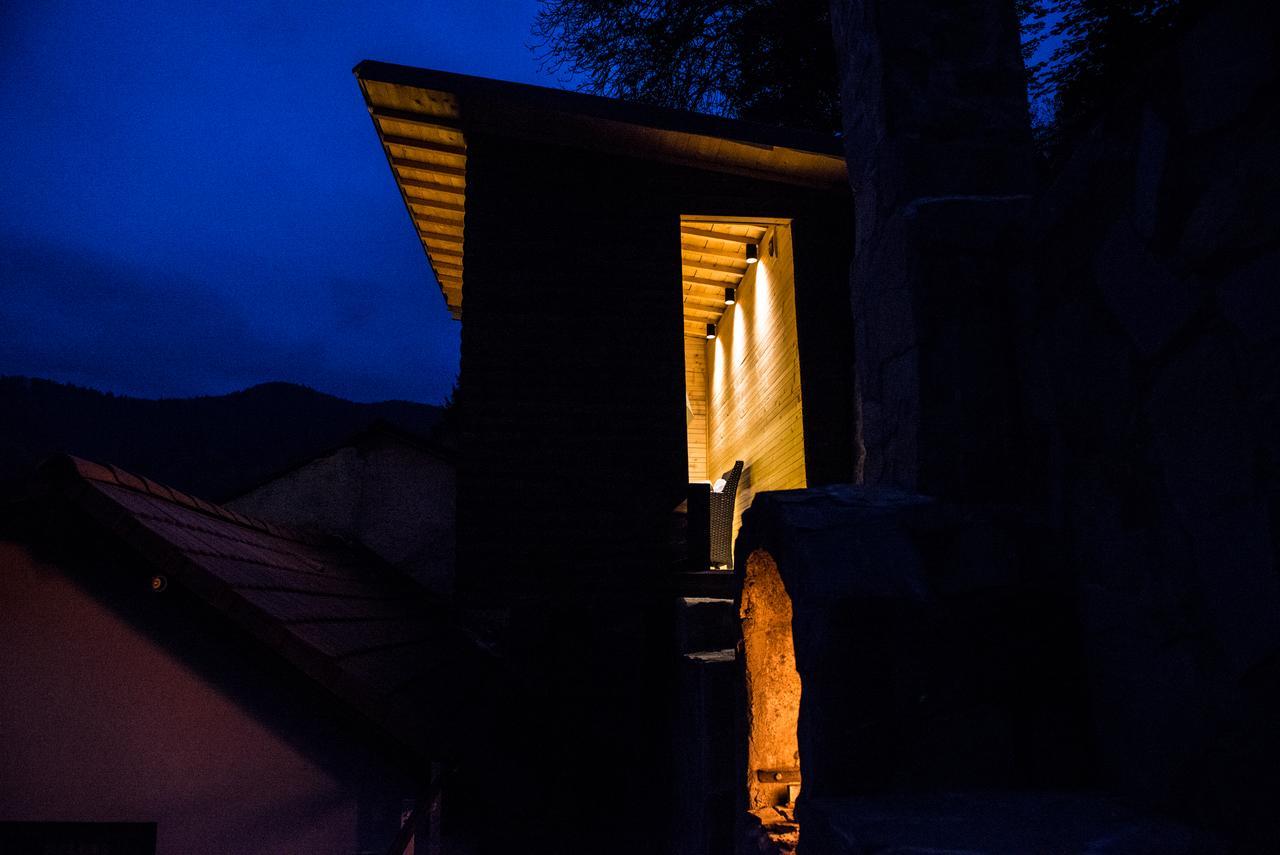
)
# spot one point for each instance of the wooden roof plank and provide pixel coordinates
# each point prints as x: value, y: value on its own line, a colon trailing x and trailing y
x: 714, y: 268
x: 435, y: 203
x: 429, y: 166
x: 435, y: 186
x: 707, y: 252
x: 431, y: 219
x: 711, y: 283
x: 424, y: 145
x: 447, y: 124
x: 693, y: 231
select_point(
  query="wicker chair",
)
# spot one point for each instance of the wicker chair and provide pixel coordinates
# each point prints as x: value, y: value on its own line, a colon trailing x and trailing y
x: 722, y: 518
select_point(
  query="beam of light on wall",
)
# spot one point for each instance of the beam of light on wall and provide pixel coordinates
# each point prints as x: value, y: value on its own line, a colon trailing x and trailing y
x: 719, y: 373
x: 736, y: 315
x: 764, y: 318
x: 754, y: 407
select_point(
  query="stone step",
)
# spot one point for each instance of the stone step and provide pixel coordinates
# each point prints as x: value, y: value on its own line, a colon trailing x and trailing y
x: 993, y: 823
x: 706, y: 623
x: 707, y: 583
x: 706, y: 782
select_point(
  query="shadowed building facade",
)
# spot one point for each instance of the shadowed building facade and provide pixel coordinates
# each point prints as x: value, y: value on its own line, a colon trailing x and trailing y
x: 587, y: 245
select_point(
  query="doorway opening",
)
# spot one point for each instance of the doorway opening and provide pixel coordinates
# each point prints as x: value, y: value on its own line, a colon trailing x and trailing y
x: 742, y: 367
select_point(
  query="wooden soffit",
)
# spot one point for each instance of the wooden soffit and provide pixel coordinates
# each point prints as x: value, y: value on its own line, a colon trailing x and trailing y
x: 422, y: 116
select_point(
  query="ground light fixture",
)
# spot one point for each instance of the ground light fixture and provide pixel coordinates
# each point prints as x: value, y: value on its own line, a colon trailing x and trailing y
x: 711, y: 331
x: 730, y: 296
x: 753, y: 253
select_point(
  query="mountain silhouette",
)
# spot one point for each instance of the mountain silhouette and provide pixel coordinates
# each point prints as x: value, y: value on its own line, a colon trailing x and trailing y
x: 210, y: 446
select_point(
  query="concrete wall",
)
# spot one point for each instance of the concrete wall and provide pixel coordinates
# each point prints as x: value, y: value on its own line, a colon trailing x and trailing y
x: 755, y: 411
x: 384, y: 492
x: 101, y: 722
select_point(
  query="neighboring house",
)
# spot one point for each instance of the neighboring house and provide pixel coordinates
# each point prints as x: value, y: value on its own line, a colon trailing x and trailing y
x: 385, y: 488
x: 236, y: 685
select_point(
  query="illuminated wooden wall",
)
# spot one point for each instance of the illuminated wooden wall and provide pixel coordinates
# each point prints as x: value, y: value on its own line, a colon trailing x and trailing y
x: 695, y: 381
x: 754, y: 407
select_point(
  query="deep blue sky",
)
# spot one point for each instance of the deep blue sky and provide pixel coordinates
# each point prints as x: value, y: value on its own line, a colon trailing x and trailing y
x: 194, y: 199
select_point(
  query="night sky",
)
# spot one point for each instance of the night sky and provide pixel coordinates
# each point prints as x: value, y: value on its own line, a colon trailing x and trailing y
x: 194, y: 199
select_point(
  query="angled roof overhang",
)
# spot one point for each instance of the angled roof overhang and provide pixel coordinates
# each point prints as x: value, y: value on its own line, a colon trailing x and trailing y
x: 422, y: 118
x: 383, y: 647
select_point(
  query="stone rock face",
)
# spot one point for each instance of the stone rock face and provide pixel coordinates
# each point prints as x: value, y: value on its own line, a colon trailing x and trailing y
x: 994, y: 824
x: 1149, y: 365
x: 1103, y: 353
x: 939, y: 154
x: 933, y: 648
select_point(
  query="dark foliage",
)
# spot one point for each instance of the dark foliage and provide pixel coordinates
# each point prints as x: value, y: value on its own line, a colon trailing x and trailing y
x: 1093, y: 46
x: 769, y: 61
x: 210, y: 446
x: 772, y: 60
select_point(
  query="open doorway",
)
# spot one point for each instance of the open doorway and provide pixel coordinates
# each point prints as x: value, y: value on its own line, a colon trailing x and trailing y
x: 742, y: 367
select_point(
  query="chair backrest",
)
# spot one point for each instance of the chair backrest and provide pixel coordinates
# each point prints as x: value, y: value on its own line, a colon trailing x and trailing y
x: 722, y: 505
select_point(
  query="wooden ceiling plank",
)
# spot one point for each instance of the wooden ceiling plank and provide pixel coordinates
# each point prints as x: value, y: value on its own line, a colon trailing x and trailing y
x: 448, y: 124
x: 419, y: 217
x: 427, y: 166
x: 714, y: 268
x: 447, y: 189
x: 440, y: 237
x: 434, y: 203
x: 711, y: 283
x: 708, y: 233
x: 703, y: 299
x: 423, y: 145
x: 713, y: 253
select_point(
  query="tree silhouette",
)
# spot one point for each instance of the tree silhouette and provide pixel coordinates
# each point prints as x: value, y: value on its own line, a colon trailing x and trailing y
x: 769, y: 61
x: 773, y: 60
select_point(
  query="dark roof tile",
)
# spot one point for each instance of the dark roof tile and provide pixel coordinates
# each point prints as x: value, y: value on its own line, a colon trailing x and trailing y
x: 331, y: 608
x: 128, y: 479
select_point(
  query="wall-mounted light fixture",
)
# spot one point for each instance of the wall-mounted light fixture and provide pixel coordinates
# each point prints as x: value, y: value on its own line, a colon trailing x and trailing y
x: 753, y: 253
x: 711, y: 331
x: 730, y: 296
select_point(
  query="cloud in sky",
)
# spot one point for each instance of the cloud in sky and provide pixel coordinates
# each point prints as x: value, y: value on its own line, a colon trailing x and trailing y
x: 195, y: 199
x: 81, y: 318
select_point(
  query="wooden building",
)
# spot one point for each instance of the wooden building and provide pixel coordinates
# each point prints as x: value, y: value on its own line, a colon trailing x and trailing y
x: 646, y: 297
x: 587, y: 245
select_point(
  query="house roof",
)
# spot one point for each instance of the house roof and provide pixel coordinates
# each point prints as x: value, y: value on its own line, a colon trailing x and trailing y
x: 423, y: 116
x: 363, y: 631
x: 378, y: 429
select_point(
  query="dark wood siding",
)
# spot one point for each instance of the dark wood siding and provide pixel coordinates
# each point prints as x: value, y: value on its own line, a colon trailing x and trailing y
x: 572, y: 371
x: 574, y: 441
x: 573, y: 454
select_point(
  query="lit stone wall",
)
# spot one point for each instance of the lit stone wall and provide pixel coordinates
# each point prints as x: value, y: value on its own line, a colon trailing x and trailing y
x: 754, y: 411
